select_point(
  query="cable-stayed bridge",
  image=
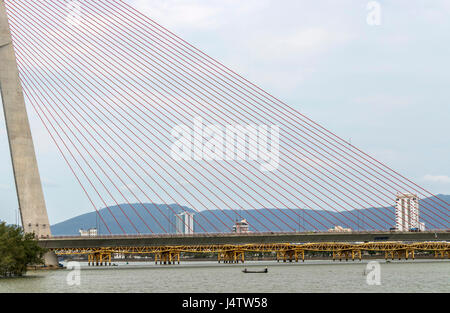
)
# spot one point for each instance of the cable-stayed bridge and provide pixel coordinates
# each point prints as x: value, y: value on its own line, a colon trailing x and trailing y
x: 141, y: 116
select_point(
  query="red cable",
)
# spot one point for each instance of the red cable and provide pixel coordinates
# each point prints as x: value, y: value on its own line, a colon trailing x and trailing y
x: 213, y: 225
x: 386, y: 189
x: 250, y: 214
x: 107, y: 190
x: 295, y: 111
x: 87, y: 140
x: 369, y: 204
x: 119, y: 191
x: 26, y: 82
x: 67, y: 161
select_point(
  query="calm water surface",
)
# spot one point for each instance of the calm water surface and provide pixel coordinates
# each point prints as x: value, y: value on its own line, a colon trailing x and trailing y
x: 311, y: 276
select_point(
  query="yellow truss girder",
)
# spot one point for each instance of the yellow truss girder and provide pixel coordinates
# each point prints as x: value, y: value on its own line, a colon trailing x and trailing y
x: 283, y: 248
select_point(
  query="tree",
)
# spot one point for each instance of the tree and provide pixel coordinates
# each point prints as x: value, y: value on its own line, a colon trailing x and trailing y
x: 17, y: 251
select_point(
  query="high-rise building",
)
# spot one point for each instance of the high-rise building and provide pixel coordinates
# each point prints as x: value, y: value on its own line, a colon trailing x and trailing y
x: 91, y: 232
x: 241, y: 227
x: 339, y: 229
x: 184, y: 223
x: 407, y: 213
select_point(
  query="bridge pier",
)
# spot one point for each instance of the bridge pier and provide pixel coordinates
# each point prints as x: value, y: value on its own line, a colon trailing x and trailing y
x: 387, y: 254
x: 231, y: 256
x: 98, y: 258
x: 401, y: 253
x: 167, y: 257
x: 291, y: 255
x: 338, y: 254
x: 358, y: 252
x: 50, y: 259
x: 409, y: 253
x: 442, y: 254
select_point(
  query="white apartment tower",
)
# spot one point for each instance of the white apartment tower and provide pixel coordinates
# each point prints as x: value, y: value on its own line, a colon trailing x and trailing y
x: 184, y: 223
x: 91, y: 232
x: 407, y: 213
x: 241, y: 227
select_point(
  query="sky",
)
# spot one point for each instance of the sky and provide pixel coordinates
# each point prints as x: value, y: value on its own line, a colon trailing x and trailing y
x: 382, y: 87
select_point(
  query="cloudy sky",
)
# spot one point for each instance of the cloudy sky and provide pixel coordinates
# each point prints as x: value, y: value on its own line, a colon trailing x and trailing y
x: 383, y: 87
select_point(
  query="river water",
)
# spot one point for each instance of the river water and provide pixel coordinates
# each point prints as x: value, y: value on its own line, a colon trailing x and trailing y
x: 204, y: 277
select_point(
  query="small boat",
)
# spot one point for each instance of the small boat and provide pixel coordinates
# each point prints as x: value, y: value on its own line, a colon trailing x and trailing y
x: 261, y: 271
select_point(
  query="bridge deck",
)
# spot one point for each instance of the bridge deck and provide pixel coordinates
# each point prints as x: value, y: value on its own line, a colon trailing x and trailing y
x: 235, y: 239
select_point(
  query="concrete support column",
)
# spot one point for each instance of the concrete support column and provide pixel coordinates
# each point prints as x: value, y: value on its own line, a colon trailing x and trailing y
x: 28, y: 183
x: 33, y: 212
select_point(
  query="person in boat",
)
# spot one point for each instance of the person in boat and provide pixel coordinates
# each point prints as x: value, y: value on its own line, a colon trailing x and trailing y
x: 263, y: 271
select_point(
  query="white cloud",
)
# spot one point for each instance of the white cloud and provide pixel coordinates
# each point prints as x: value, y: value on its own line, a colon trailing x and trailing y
x: 442, y: 179
x: 384, y: 102
x: 174, y: 13
x: 198, y: 14
x: 306, y: 41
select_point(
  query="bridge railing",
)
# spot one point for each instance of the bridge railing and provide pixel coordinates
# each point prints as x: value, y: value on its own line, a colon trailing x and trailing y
x: 199, y: 235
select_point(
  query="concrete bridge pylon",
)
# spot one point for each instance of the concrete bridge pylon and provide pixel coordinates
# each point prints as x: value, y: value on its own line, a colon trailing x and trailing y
x: 30, y: 196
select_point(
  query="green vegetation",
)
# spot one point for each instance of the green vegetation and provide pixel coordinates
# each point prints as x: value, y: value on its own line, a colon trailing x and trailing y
x: 17, y: 251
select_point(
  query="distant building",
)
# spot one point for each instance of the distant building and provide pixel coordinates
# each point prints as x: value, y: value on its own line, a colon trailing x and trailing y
x: 241, y: 227
x: 91, y: 232
x: 184, y: 223
x: 339, y: 229
x: 118, y: 256
x: 407, y: 213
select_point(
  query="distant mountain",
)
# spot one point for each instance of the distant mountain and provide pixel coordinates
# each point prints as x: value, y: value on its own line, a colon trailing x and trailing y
x: 211, y: 221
